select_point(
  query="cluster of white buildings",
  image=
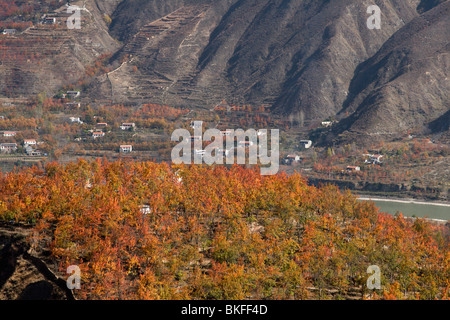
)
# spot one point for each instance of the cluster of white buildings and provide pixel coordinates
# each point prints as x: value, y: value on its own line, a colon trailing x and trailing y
x: 29, y: 146
x: 76, y: 120
x: 374, y: 159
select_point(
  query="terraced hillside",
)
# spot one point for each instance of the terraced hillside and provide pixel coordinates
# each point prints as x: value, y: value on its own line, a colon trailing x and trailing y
x: 159, y: 60
x: 45, y: 57
x: 306, y: 59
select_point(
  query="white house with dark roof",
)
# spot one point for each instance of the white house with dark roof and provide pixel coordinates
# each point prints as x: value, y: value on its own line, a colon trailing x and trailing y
x: 49, y: 20
x: 73, y: 94
x: 353, y: 168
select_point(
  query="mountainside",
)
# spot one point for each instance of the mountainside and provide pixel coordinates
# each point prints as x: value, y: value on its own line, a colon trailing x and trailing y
x: 297, y: 55
x: 307, y: 59
x: 405, y: 85
x: 304, y: 58
x: 43, y: 58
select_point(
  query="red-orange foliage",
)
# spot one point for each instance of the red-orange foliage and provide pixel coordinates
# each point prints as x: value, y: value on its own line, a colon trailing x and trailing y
x: 218, y: 233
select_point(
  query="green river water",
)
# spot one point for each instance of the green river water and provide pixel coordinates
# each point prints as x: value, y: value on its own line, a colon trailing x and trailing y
x: 413, y: 209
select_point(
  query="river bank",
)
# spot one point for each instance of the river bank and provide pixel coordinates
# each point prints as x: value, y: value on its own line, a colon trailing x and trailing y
x: 438, y: 211
x: 404, y: 200
x: 388, y: 191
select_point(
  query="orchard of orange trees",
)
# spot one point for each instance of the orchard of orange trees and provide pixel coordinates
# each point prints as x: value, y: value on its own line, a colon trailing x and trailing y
x: 143, y: 230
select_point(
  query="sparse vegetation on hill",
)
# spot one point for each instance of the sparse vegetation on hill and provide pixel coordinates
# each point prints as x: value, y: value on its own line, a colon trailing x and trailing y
x: 307, y: 61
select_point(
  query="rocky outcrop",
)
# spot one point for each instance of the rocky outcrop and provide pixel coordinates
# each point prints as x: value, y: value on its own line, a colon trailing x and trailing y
x: 25, y: 276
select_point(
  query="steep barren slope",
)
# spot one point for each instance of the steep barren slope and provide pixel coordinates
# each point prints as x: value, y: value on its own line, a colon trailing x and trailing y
x: 161, y: 59
x: 405, y: 86
x: 298, y: 55
x: 306, y: 58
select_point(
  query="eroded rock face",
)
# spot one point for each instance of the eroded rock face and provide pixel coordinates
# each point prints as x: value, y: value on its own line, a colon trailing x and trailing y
x: 25, y: 276
x: 8, y: 262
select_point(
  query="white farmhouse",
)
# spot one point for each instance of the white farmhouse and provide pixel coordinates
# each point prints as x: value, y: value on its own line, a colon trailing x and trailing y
x: 29, y: 142
x: 126, y: 148
x: 9, y: 133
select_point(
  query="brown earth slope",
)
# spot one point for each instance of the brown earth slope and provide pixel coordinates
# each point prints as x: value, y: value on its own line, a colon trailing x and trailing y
x: 26, y: 273
x: 308, y: 59
x: 405, y: 86
x: 43, y: 58
x: 297, y: 55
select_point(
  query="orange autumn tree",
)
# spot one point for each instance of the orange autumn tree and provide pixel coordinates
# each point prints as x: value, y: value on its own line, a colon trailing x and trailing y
x: 219, y: 233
